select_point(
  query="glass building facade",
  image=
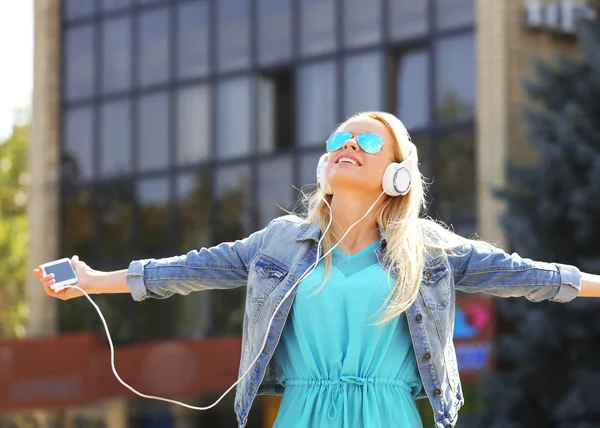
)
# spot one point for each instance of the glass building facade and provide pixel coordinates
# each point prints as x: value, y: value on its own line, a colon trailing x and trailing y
x: 186, y: 123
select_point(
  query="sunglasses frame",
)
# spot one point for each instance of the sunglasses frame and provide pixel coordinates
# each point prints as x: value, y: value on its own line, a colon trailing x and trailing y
x: 355, y: 136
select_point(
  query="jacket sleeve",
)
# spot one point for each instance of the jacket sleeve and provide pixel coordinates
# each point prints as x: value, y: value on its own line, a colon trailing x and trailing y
x: 479, y: 267
x: 224, y: 266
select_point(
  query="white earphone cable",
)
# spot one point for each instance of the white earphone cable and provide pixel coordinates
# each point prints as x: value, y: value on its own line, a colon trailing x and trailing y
x: 304, y: 275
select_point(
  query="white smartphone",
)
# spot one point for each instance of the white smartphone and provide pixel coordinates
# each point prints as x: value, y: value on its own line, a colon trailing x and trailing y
x: 63, y: 271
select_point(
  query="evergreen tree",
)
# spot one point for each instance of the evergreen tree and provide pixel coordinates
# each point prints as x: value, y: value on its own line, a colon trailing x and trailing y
x: 550, y: 359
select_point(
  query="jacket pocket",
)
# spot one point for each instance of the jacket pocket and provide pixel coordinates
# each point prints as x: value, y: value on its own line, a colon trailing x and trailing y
x: 435, y: 288
x: 268, y: 274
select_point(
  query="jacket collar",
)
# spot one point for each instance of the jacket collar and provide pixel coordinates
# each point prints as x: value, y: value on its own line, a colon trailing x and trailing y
x: 312, y: 231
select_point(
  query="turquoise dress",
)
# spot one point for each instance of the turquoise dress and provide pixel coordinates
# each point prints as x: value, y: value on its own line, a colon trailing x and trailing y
x: 338, y: 370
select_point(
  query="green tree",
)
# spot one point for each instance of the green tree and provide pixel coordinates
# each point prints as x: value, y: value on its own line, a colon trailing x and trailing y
x: 14, y: 232
x: 549, y: 359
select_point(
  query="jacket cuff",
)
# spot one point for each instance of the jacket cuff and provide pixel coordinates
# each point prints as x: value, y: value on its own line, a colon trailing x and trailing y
x: 135, y: 280
x: 570, y: 283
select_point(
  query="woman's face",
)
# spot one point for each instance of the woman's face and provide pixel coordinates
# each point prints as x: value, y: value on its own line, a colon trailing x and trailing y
x: 367, y: 174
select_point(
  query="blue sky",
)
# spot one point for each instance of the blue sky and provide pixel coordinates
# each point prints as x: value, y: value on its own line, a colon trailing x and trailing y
x: 16, y: 59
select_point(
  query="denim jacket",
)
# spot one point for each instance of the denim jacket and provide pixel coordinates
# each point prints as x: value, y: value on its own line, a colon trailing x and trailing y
x: 270, y: 261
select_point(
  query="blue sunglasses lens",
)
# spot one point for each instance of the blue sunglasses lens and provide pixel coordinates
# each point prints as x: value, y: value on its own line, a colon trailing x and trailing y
x: 337, y: 140
x: 370, y: 143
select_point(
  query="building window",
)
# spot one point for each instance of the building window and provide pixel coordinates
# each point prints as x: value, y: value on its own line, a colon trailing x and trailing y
x: 114, y: 211
x: 112, y: 5
x: 455, y: 78
x: 455, y: 178
x: 154, y: 47
x: 233, y: 21
x: 317, y: 26
x: 193, y: 124
x: 115, y: 140
x: 274, y: 188
x: 75, y: 9
x: 317, y: 101
x: 78, y: 145
x: 193, y: 210
x: 412, y: 92
x: 362, y: 22
x: 79, y: 65
x: 153, y: 132
x: 193, y: 39
x: 77, y: 224
x: 234, y: 118
x: 154, y: 237
x: 116, y: 55
x: 454, y: 13
x: 274, y: 31
x: 363, y: 90
x: 276, y: 111
x: 407, y: 19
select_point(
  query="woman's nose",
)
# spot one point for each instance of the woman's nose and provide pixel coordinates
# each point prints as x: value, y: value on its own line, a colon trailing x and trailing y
x: 351, y: 144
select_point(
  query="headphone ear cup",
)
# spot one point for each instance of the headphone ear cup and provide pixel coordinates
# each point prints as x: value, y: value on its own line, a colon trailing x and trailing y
x: 322, y: 176
x: 397, y: 178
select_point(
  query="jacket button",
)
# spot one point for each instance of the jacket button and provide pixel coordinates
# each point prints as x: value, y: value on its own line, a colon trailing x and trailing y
x: 279, y: 314
x: 419, y: 317
x: 437, y: 391
x: 427, y: 355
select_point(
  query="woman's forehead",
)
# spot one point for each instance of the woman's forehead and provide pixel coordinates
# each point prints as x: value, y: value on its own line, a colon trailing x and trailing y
x: 366, y: 124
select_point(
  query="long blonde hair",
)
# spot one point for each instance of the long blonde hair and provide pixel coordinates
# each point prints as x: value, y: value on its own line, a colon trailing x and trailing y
x: 408, y: 236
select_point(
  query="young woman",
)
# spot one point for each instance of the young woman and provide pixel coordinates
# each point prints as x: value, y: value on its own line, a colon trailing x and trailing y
x: 351, y: 339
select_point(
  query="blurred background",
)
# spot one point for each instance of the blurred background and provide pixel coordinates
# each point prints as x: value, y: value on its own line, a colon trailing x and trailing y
x: 146, y: 128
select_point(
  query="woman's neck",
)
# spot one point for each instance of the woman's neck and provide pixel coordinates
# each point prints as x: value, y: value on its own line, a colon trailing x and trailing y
x: 347, y: 210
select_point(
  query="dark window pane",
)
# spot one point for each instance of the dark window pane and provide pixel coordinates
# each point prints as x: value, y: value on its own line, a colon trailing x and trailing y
x: 193, y: 38
x: 233, y: 221
x: 407, y: 18
x: 413, y: 89
x: 193, y: 200
x: 274, y: 30
x: 110, y: 5
x: 114, y: 211
x: 79, y: 63
x: 317, y: 99
x: 153, y: 131
x: 78, y: 9
x: 154, y: 47
x: 276, y: 107
x: 234, y: 118
x: 116, y: 55
x: 234, y: 34
x: 77, y: 224
x: 153, y: 221
x: 455, y: 178
x: 362, y: 22
x: 421, y: 142
x: 454, y: 13
x: 317, y: 26
x: 78, y: 151
x: 455, y: 79
x: 232, y: 195
x: 362, y: 81
x: 308, y: 180
x: 274, y: 189
x: 115, y: 147
x: 193, y: 124
x: 308, y: 170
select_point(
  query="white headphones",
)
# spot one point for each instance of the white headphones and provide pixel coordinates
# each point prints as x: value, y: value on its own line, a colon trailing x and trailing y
x: 397, y: 178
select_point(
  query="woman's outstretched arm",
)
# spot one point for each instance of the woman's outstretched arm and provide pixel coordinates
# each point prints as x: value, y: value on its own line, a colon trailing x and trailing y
x: 590, y: 285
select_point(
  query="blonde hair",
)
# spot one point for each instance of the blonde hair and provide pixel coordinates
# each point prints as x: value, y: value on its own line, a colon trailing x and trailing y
x: 408, y: 236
